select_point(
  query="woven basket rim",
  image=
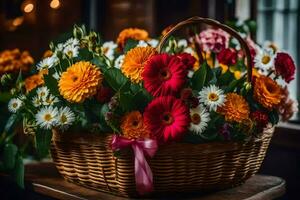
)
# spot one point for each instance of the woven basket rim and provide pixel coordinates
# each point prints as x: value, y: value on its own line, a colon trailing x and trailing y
x: 91, y: 139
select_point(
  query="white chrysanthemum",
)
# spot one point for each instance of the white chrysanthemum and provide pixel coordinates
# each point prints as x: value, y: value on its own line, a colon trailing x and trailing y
x: 108, y: 49
x: 264, y: 60
x: 71, y: 51
x: 46, y: 118
x: 153, y: 43
x: 71, y: 42
x: 212, y: 96
x: 50, y: 100
x: 199, y: 119
x: 47, y: 63
x: 65, y: 118
x: 119, y: 61
x: 42, y: 92
x: 182, y: 43
x: 14, y: 105
x: 37, y: 101
x: 142, y: 43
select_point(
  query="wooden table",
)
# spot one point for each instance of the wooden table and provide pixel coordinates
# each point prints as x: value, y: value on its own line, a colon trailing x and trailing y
x: 44, y: 179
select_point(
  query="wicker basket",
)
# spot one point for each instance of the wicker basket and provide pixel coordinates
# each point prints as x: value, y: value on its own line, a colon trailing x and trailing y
x: 88, y: 160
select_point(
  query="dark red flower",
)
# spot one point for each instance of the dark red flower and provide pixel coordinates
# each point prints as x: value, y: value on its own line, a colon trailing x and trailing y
x: 104, y: 94
x: 187, y: 59
x: 164, y: 75
x: 261, y: 118
x: 167, y: 118
x: 284, y: 66
x: 186, y: 94
x: 227, y: 56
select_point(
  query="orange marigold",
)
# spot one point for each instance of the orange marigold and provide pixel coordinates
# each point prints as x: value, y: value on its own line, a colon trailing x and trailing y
x: 134, y: 62
x: 267, y: 92
x: 131, y: 33
x: 14, y: 61
x: 34, y: 81
x: 235, y: 108
x: 80, y: 81
x: 47, y: 54
x: 133, y: 127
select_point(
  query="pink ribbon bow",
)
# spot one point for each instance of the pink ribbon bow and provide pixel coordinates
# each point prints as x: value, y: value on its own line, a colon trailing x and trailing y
x: 143, y: 173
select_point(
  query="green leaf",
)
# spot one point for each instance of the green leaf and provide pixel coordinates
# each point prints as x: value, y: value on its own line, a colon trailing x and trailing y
x: 130, y: 43
x: 12, y: 120
x: 115, y: 79
x: 43, y: 141
x: 5, y: 97
x: 18, y: 171
x: 100, y: 62
x: 199, y: 77
x: 127, y: 102
x: 142, y: 99
x: 226, y: 78
x: 85, y: 54
x: 51, y: 83
x: 274, y: 117
x: 9, y: 155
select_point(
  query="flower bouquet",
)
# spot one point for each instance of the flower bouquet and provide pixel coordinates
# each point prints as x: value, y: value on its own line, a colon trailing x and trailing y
x: 128, y: 119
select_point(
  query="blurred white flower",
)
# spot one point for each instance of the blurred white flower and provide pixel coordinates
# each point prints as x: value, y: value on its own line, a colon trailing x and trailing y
x: 108, y: 49
x: 65, y: 118
x: 14, y: 105
x: 46, y: 118
x: 119, y: 61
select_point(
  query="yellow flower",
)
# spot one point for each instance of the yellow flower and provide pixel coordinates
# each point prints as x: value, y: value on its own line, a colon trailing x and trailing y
x: 267, y: 92
x: 131, y: 33
x: 235, y: 108
x: 80, y: 81
x: 135, y: 61
x: 133, y: 127
x: 224, y: 68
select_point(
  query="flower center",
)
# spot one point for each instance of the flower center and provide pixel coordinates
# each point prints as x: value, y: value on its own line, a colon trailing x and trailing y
x: 165, y: 74
x: 70, y: 53
x: 105, y: 50
x: 167, y: 119
x: 63, y: 118
x: 43, y: 94
x: 135, y: 123
x: 74, y: 78
x: 213, y: 97
x: 14, y: 105
x: 265, y: 59
x: 196, y: 119
x: 47, y: 117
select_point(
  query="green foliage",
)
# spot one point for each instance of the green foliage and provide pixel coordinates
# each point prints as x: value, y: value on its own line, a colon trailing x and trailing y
x: 199, y: 77
x: 116, y: 80
x: 42, y: 142
x: 51, y: 83
x: 130, y: 44
x: 9, y: 155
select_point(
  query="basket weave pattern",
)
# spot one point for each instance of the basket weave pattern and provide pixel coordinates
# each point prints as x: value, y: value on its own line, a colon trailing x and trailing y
x: 90, y: 162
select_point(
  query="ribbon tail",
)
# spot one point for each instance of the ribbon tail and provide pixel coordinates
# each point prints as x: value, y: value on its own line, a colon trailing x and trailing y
x: 143, y: 173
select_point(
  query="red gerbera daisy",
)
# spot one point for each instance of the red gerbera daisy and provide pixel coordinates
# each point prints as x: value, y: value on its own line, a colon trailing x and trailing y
x: 187, y: 59
x: 164, y: 75
x: 167, y: 118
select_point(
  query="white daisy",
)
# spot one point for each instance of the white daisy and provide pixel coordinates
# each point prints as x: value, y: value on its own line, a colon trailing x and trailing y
x: 119, y: 61
x: 71, y: 42
x: 65, y: 118
x: 108, y: 49
x: 182, y: 43
x: 199, y: 119
x: 47, y: 63
x: 142, y: 43
x: 42, y: 92
x: 71, y: 51
x: 153, y: 43
x: 50, y: 100
x: 264, y: 60
x: 47, y: 117
x: 37, y: 101
x: 56, y: 75
x: 14, y: 105
x: 212, y: 96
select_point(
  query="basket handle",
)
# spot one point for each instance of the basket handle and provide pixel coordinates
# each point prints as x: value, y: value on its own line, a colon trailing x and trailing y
x: 232, y: 32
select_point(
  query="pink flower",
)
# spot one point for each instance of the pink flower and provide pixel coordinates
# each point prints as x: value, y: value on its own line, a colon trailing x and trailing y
x: 164, y: 75
x: 167, y: 118
x: 214, y: 40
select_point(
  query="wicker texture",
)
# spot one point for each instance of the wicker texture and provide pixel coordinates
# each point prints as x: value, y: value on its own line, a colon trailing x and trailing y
x: 89, y: 161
